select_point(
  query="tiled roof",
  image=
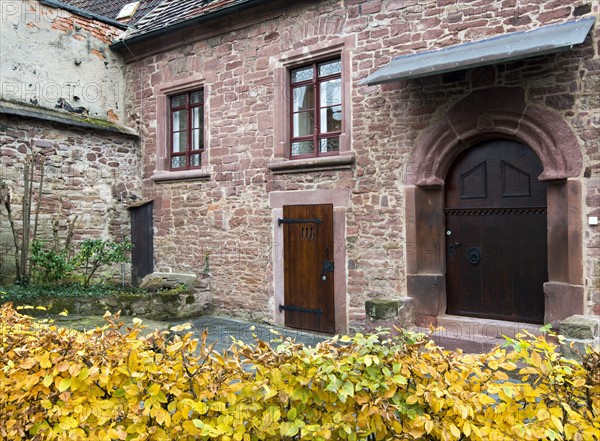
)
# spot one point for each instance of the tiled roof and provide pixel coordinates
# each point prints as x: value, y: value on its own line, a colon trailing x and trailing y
x: 170, y: 12
x: 111, y: 8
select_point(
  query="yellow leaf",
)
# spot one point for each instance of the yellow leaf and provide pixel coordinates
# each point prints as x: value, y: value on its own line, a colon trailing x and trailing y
x: 132, y: 361
x: 46, y: 404
x: 412, y: 399
x: 557, y: 423
x: 182, y: 327
x: 64, y: 384
x: 543, y: 414
x: 429, y: 426
x: 536, y: 359
x: 201, y: 408
x: 154, y: 390
x: 64, y: 313
x: 62, y: 366
x: 48, y: 380
x: 466, y: 429
x: 570, y: 431
x: 455, y: 431
x: 28, y: 363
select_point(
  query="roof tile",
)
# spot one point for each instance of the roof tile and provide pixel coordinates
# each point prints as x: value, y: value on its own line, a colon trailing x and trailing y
x: 111, y: 8
x: 170, y: 12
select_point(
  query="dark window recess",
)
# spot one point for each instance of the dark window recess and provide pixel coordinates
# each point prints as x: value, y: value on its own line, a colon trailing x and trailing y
x: 186, y: 130
x: 316, y: 112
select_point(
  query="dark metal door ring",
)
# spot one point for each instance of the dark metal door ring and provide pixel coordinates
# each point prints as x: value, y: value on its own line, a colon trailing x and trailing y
x: 474, y: 255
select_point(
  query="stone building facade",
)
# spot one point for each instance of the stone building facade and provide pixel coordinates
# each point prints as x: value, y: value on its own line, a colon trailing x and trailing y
x: 62, y: 101
x: 398, y: 141
x: 395, y: 203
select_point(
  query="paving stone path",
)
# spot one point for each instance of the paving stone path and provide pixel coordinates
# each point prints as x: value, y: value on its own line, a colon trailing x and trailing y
x: 220, y: 329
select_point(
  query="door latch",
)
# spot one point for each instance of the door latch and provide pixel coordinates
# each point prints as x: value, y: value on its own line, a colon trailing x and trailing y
x: 328, y: 267
x: 452, y: 248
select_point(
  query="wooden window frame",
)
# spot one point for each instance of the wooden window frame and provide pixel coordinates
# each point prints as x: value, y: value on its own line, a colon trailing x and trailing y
x: 188, y: 108
x: 316, y: 135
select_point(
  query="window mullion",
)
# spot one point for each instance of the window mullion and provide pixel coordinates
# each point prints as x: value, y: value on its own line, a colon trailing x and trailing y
x: 188, y: 147
x: 316, y: 110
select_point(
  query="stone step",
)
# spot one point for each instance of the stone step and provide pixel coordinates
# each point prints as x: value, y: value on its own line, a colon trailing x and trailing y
x: 476, y: 335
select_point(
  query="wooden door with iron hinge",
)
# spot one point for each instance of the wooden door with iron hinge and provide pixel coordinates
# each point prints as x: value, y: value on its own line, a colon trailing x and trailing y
x: 308, y: 267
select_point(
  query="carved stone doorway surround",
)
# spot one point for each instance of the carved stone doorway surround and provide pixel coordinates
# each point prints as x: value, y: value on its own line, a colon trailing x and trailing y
x: 499, y: 112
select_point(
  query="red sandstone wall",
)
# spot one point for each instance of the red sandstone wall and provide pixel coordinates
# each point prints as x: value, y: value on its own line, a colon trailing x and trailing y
x: 228, y: 214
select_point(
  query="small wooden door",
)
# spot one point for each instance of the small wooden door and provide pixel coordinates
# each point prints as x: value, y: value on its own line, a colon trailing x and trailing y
x: 142, y: 238
x: 308, y: 267
x: 496, y: 233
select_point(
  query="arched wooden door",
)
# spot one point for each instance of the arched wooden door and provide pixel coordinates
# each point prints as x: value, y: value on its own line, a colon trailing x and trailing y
x: 496, y: 233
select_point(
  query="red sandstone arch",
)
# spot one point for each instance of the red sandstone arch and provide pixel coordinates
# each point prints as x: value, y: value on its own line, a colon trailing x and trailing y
x: 499, y: 112
x: 492, y: 113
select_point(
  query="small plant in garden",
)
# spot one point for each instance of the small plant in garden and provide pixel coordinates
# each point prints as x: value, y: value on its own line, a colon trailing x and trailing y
x: 94, y: 253
x: 48, y: 265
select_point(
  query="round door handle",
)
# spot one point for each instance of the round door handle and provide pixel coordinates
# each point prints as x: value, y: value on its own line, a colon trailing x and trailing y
x: 474, y: 256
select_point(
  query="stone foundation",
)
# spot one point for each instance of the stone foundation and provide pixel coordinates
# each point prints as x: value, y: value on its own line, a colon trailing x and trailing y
x: 579, y: 332
x: 389, y: 314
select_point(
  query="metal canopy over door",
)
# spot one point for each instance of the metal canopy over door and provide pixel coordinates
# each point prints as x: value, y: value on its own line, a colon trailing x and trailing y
x: 308, y: 267
x: 142, y: 238
x: 496, y: 233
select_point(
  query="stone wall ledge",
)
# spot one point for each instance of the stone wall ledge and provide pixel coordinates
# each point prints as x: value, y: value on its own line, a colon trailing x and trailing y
x: 184, y: 175
x: 43, y: 114
x: 340, y: 162
x: 162, y: 305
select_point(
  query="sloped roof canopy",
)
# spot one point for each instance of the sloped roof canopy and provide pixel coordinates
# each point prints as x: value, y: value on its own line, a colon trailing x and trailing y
x: 508, y: 47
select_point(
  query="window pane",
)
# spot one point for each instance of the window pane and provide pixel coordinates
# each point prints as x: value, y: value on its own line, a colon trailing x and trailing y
x: 178, y: 101
x: 304, y: 124
x: 179, y: 120
x: 196, y: 97
x: 330, y: 68
x: 197, y: 139
x: 196, y: 117
x: 331, y: 119
x: 195, y: 161
x: 329, y: 145
x: 302, y: 74
x: 331, y: 92
x: 302, y: 148
x: 304, y: 98
x: 179, y: 142
x: 178, y: 162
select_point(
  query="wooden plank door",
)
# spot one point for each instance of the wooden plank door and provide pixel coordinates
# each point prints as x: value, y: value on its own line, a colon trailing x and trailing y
x: 308, y: 267
x: 142, y: 238
x: 496, y: 233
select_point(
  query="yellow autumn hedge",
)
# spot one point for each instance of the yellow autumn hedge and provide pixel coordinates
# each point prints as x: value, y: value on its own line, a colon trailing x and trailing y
x: 59, y: 384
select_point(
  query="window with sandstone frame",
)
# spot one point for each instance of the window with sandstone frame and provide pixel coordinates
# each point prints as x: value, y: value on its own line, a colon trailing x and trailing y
x: 313, y: 136
x: 182, y: 116
x: 316, y: 109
